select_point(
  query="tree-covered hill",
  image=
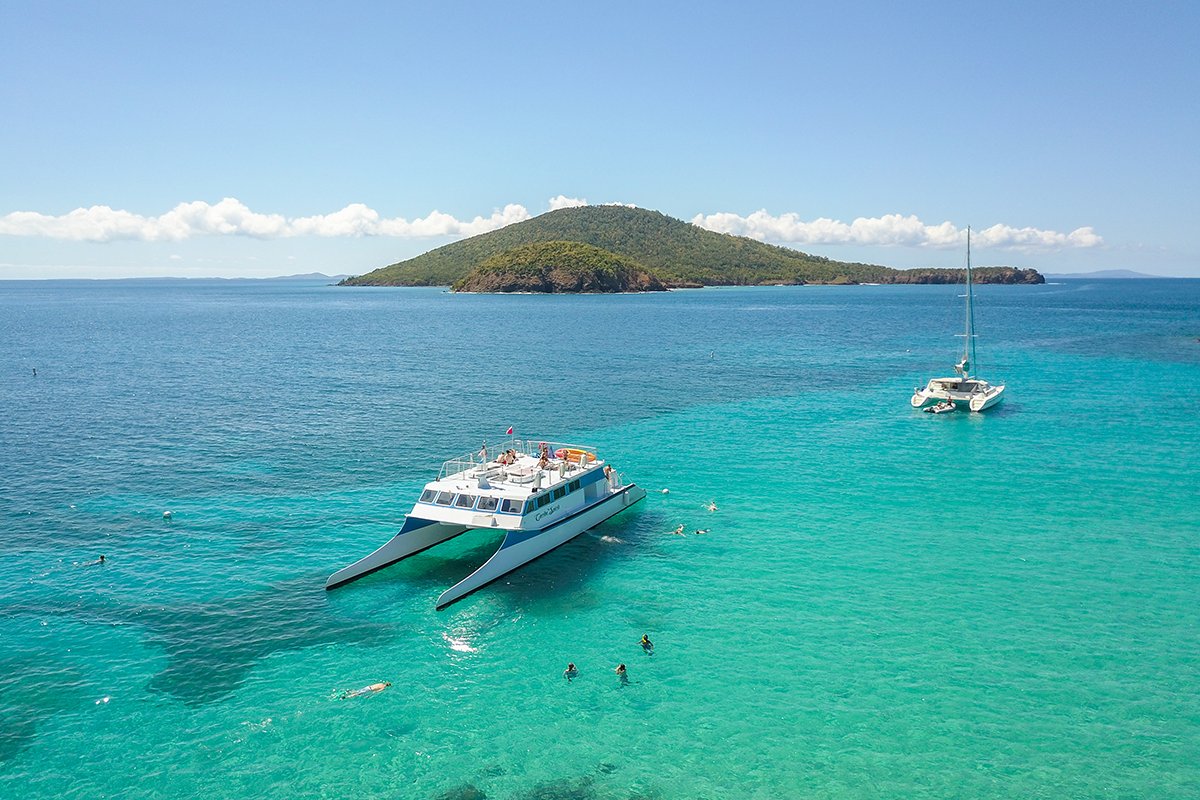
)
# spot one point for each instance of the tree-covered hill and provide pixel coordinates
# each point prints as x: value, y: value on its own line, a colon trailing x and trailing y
x: 677, y: 252
x: 559, y: 267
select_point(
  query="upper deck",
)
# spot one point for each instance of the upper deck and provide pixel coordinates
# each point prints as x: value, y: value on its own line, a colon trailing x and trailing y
x: 511, y: 479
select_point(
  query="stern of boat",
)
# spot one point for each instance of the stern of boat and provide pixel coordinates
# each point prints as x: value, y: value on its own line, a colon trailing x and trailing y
x: 988, y: 399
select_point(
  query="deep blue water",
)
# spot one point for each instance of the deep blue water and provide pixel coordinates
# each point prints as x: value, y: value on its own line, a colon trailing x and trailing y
x: 889, y: 604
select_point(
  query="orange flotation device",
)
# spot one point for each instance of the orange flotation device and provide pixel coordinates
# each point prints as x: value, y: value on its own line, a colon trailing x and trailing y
x: 571, y: 454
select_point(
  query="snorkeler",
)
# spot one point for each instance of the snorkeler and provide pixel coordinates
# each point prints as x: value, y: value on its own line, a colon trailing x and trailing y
x: 712, y: 505
x: 679, y: 530
x: 699, y: 531
x: 570, y: 672
x: 622, y: 674
x: 647, y: 645
x: 372, y: 689
x: 95, y: 563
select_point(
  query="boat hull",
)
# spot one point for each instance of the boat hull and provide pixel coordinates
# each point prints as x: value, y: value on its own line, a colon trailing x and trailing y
x: 415, y: 535
x: 522, y: 546
x: 974, y: 401
x: 989, y: 399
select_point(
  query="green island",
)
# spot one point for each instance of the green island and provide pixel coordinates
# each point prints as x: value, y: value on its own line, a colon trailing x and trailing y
x: 559, y: 267
x: 622, y: 249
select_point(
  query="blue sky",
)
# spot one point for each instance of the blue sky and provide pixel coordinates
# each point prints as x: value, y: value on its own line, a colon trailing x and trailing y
x: 273, y: 138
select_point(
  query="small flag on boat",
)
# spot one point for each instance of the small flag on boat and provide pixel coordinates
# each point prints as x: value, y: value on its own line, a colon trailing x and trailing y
x: 509, y: 431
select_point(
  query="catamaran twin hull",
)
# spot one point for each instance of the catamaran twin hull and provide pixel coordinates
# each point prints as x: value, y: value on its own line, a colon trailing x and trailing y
x: 541, y: 502
x: 974, y: 394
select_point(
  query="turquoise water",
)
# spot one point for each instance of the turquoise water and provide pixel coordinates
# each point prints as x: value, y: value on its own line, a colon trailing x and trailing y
x: 889, y: 604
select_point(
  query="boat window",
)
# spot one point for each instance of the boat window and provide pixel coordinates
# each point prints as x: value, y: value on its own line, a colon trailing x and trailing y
x: 559, y: 492
x: 428, y: 495
x: 511, y: 506
x: 574, y: 486
x: 488, y: 503
x: 444, y: 498
x: 541, y: 501
x: 465, y: 501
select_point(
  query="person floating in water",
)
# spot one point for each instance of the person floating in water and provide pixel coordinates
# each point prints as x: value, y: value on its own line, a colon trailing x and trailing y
x: 372, y: 689
x: 647, y: 645
x: 712, y: 506
x: 95, y: 563
x: 570, y: 673
x: 622, y: 675
x: 35, y: 372
x: 702, y: 530
x: 679, y: 530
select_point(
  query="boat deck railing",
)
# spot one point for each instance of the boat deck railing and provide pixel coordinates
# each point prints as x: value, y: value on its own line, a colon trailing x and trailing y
x: 472, y: 463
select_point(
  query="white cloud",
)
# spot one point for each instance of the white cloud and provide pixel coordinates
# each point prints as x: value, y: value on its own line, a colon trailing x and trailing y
x: 890, y: 229
x: 231, y: 217
x: 563, y: 201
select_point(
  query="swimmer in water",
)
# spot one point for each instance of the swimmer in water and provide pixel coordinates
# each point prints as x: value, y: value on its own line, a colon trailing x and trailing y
x: 570, y: 672
x: 647, y: 645
x: 712, y: 506
x: 622, y: 674
x: 95, y: 563
x: 700, y: 531
x: 372, y: 689
x: 679, y: 530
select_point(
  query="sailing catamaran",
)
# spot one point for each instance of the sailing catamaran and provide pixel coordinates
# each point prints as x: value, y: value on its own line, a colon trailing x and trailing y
x: 965, y: 390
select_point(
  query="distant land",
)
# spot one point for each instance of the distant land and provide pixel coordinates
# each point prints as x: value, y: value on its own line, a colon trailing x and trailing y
x: 307, y: 276
x: 1103, y: 275
x: 673, y: 252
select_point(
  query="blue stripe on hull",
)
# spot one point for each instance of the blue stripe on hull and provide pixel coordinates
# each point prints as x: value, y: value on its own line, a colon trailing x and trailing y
x: 518, y: 536
x: 450, y: 595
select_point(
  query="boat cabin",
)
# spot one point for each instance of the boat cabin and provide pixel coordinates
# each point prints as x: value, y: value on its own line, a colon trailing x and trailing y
x: 523, y: 484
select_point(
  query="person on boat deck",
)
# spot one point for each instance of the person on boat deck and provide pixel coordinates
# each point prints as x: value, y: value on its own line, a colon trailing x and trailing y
x: 570, y: 672
x: 483, y: 456
x: 543, y: 460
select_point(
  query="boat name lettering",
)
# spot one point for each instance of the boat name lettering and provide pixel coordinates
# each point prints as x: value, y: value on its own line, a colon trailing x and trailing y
x: 543, y: 514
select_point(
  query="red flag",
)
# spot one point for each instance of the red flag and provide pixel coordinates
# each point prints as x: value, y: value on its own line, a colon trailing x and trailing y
x: 509, y: 432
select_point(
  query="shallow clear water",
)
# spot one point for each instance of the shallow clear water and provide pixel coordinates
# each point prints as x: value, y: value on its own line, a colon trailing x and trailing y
x: 889, y: 604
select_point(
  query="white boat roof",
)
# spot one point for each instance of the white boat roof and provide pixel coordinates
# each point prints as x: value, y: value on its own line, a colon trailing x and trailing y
x: 519, y: 479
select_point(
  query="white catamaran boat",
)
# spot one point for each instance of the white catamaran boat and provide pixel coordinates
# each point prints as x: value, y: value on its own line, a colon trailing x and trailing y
x: 541, y: 494
x: 964, y: 390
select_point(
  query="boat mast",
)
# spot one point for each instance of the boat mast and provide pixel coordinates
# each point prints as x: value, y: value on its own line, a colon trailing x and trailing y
x: 969, y: 344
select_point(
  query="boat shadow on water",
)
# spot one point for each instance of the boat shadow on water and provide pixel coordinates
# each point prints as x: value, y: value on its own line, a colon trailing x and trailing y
x: 560, y: 578
x: 212, y: 646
